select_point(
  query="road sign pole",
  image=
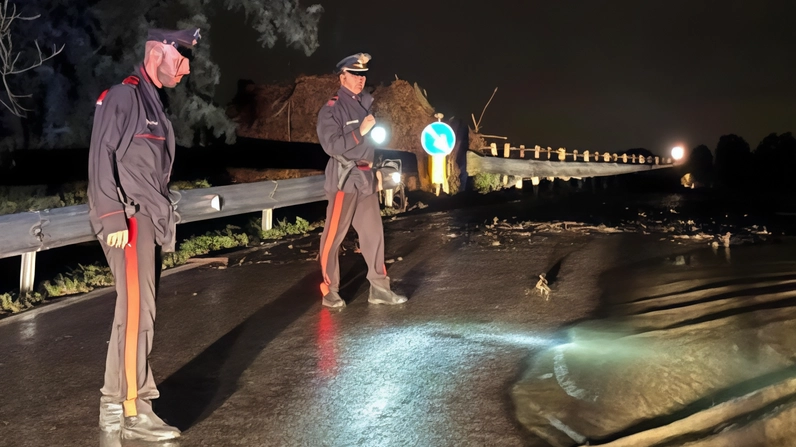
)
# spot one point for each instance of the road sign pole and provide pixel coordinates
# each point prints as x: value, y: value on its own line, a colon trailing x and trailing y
x: 438, y: 171
x: 438, y: 140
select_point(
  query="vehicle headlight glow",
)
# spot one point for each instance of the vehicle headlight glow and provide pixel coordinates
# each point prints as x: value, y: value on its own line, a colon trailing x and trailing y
x: 678, y: 152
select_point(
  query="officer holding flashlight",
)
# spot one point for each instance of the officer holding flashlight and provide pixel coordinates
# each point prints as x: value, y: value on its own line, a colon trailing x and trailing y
x: 351, y: 184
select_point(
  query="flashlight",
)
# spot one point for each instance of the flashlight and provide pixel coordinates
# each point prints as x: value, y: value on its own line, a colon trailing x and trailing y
x: 379, y: 134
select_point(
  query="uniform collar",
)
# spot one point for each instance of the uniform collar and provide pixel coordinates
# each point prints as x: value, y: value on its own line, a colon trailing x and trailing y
x: 348, y: 93
x: 144, y: 74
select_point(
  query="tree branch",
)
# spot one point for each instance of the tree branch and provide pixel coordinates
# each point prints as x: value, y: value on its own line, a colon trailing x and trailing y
x: 478, y: 124
x: 8, y: 60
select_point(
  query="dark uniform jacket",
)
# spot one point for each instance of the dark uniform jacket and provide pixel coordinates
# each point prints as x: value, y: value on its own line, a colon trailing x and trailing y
x: 130, y: 160
x: 338, y: 132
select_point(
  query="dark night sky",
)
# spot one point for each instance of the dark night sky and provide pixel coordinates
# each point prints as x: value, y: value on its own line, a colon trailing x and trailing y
x: 596, y: 75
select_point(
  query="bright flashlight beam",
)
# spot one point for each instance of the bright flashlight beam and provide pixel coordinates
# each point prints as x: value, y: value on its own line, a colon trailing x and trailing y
x: 396, y: 177
x: 379, y: 135
x: 678, y: 153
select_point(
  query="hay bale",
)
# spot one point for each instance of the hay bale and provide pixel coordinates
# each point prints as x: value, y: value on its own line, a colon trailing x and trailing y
x: 405, y: 111
x: 282, y: 112
x: 264, y: 111
x: 477, y: 142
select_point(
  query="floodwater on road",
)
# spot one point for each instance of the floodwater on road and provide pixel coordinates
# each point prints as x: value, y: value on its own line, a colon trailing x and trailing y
x: 639, y: 331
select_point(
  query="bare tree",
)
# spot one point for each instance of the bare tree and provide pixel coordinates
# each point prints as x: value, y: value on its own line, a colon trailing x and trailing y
x: 9, y: 59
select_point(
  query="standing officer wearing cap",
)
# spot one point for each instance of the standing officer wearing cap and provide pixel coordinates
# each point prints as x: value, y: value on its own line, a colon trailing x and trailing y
x: 130, y: 160
x: 351, y: 185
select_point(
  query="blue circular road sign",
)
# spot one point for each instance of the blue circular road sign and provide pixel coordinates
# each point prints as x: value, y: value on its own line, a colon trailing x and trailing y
x: 438, y: 139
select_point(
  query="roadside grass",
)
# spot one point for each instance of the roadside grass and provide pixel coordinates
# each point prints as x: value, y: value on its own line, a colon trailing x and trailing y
x: 283, y: 228
x: 485, y: 183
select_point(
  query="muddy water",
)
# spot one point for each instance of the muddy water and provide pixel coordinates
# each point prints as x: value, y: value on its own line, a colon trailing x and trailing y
x: 676, y: 336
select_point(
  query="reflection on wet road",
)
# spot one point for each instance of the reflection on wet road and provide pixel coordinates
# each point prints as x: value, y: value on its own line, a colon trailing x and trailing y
x: 638, y: 332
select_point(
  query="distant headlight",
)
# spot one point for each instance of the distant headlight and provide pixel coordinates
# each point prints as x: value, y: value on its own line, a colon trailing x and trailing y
x: 678, y: 153
x: 390, y: 171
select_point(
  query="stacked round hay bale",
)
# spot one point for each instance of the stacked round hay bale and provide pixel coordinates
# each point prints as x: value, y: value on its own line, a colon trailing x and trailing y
x: 405, y: 111
x: 283, y: 112
x: 290, y: 113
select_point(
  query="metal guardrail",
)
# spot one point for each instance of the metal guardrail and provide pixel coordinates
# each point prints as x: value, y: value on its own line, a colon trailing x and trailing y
x: 537, y: 169
x: 26, y: 234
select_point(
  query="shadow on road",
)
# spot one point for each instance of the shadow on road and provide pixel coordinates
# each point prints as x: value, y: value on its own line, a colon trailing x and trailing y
x: 200, y: 387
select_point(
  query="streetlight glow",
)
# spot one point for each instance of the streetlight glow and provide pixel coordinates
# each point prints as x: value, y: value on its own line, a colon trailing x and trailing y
x: 678, y: 152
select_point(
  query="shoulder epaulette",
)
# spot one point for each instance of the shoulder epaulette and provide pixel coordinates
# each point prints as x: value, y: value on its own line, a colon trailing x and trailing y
x: 130, y: 80
x: 101, y: 97
x: 332, y: 101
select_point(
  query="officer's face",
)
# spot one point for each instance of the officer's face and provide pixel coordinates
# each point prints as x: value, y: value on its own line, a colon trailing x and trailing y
x: 173, y: 67
x: 353, y: 81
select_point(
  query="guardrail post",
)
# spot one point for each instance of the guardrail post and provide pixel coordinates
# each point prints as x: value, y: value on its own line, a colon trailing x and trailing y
x: 493, y: 149
x: 522, y: 151
x: 268, y: 219
x: 27, y: 272
x: 506, y: 150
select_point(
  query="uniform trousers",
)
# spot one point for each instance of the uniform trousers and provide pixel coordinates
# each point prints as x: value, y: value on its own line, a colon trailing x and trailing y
x: 128, y: 376
x: 361, y: 210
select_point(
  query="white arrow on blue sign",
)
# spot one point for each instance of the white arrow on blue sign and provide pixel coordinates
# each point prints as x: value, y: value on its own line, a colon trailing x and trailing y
x: 438, y: 139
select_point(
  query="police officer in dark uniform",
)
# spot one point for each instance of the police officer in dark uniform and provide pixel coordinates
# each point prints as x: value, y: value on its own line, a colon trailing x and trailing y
x: 130, y: 160
x: 351, y: 184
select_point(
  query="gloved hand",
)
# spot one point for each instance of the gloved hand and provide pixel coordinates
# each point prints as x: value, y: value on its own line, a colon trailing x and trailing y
x: 118, y: 239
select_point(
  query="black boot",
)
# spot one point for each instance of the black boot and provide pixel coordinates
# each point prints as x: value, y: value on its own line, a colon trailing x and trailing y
x: 332, y: 299
x: 380, y: 295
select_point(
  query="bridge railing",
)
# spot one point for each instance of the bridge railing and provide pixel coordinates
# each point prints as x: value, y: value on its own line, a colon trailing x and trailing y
x: 562, y: 154
x: 537, y: 163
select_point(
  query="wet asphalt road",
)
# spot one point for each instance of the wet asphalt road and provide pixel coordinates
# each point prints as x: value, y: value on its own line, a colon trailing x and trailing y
x: 246, y: 356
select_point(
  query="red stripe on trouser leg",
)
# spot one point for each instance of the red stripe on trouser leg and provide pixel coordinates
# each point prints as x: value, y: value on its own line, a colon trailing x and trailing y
x: 337, y: 210
x: 133, y: 315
